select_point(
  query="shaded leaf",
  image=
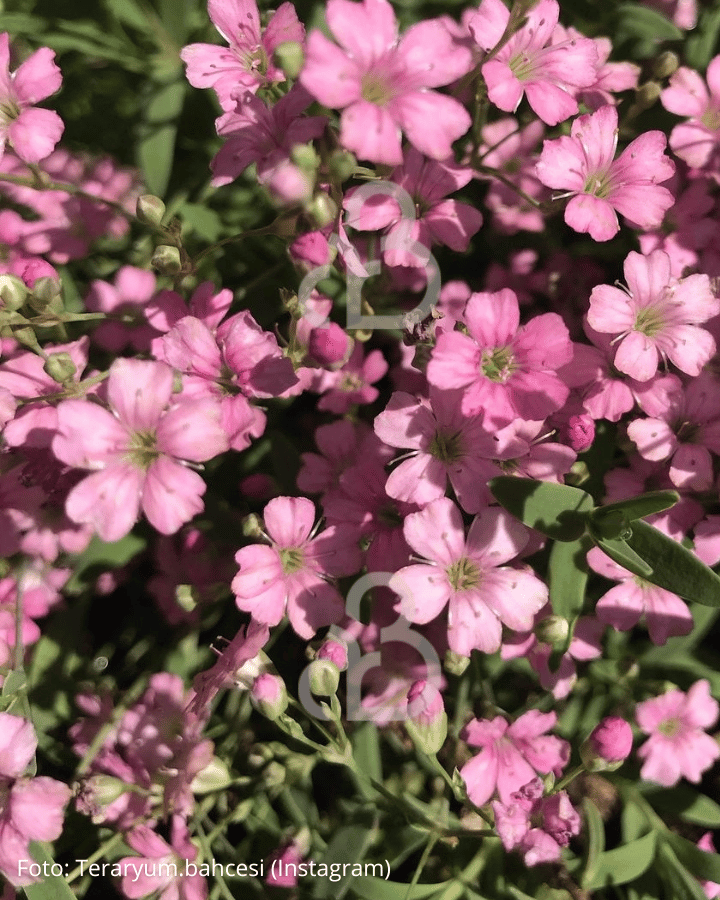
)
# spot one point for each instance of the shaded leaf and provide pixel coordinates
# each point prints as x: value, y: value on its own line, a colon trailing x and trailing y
x: 700, y: 863
x: 556, y: 510
x: 639, y: 507
x: 624, y: 863
x: 621, y: 552
x: 370, y: 888
x: 568, y: 570
x: 52, y: 887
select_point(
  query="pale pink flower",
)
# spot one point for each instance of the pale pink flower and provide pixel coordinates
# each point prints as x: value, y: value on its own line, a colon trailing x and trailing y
x: 468, y: 575
x: 683, y: 12
x: 583, y: 164
x: 248, y: 60
x: 611, y: 77
x: 383, y: 82
x: 511, y: 755
x: 656, y: 317
x: 678, y: 746
x: 31, y: 132
x: 507, y: 370
x: 136, y: 450
x: 666, y: 615
x: 128, y: 297
x: 711, y: 888
x: 353, y: 383
x: 697, y: 140
x: 293, y: 573
x: 161, y: 869
x: 549, y: 72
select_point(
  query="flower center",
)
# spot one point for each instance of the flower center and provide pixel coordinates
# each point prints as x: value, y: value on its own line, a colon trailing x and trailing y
x: 599, y: 184
x: 375, y: 89
x: 670, y: 728
x: 711, y: 118
x: 143, y: 451
x: 498, y: 364
x: 463, y: 575
x: 9, y: 111
x: 649, y: 321
x: 292, y: 560
x: 522, y: 66
x: 447, y: 447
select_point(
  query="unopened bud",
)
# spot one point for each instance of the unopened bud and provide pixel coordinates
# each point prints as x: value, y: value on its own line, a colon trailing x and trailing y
x: 214, y: 777
x: 150, y: 209
x: 13, y: 292
x: 665, y: 65
x: 427, y: 724
x: 329, y: 344
x: 336, y: 652
x: 607, y: 746
x: 324, y: 677
x: 647, y: 95
x: 60, y: 367
x: 305, y: 157
x: 252, y: 526
x: 186, y: 596
x: 27, y: 337
x: 46, y: 294
x: 342, y: 164
x: 290, y: 58
x: 553, y: 631
x: 166, y: 260
x: 269, y: 696
x: 323, y: 210
x: 455, y: 663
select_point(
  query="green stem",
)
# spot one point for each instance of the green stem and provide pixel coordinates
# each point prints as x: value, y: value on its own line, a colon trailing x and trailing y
x: 565, y: 780
x: 98, y: 854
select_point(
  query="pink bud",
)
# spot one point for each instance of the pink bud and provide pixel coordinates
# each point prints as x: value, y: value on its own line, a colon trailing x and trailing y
x: 336, y: 652
x: 328, y: 345
x: 425, y: 703
x: 608, y: 745
x: 268, y: 695
x: 581, y: 432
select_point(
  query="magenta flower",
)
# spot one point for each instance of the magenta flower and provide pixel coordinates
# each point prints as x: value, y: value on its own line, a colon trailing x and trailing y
x: 293, y: 572
x: 656, y: 317
x: 508, y: 371
x: 511, y: 755
x: 583, y: 164
x: 468, y: 575
x: 32, y: 132
x: 382, y: 82
x: 247, y: 62
x: 678, y: 746
x: 137, y: 450
x: 532, y: 62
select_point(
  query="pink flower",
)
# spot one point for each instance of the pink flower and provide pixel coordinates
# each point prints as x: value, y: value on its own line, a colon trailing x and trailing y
x: 444, y: 445
x: 511, y: 755
x: 537, y: 826
x: 711, y: 888
x: 353, y: 383
x: 678, y: 746
x: 549, y: 72
x: 31, y: 809
x: 128, y: 296
x: 583, y: 164
x: 697, y: 140
x: 382, y: 82
x: 136, y: 450
x: 32, y: 132
x: 161, y: 869
x: 248, y: 61
x: 468, y: 575
x: 666, y: 615
x: 440, y: 221
x: 656, y: 317
x: 507, y: 371
x: 610, y: 741
x: 293, y: 573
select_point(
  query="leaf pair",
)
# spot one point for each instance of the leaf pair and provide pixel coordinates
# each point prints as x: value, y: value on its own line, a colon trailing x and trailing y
x: 566, y: 513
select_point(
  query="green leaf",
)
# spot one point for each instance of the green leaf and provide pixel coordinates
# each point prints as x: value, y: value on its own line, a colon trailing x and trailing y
x: 700, y: 863
x: 687, y: 803
x: 556, y: 510
x: 647, y: 24
x: 366, y: 750
x: 370, y: 888
x: 620, y: 551
x: 349, y: 844
x: 157, y: 146
x: 700, y: 46
x: 683, y: 885
x: 568, y: 571
x: 52, y: 887
x: 15, y: 682
x: 623, y: 864
x: 674, y: 567
x: 639, y: 507
x: 129, y: 12
x: 596, y: 840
